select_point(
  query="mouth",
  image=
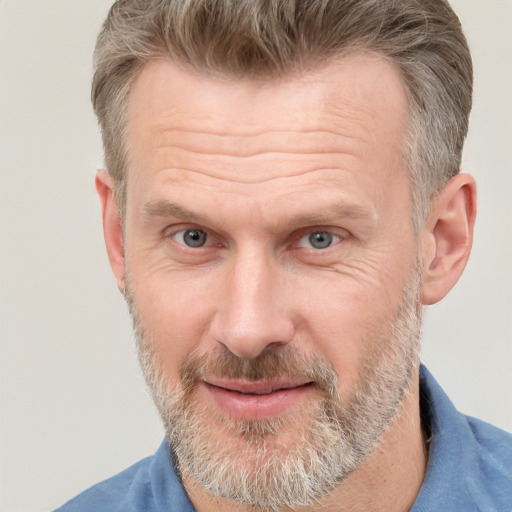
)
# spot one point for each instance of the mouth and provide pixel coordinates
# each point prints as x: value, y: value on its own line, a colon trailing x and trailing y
x: 247, y: 400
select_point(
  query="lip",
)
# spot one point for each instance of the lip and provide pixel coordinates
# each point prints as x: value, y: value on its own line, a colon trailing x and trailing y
x: 248, y: 400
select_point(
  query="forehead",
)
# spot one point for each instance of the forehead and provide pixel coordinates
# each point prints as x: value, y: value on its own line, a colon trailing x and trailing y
x: 350, y: 115
x: 165, y: 87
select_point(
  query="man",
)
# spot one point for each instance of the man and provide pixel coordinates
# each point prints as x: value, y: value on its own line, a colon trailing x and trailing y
x: 283, y: 196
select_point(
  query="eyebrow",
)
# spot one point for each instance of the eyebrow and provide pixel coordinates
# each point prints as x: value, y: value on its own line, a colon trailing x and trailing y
x: 344, y: 211
x: 165, y: 208
x: 168, y: 209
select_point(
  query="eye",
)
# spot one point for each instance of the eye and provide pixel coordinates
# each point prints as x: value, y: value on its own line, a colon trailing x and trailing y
x: 318, y: 240
x: 191, y: 237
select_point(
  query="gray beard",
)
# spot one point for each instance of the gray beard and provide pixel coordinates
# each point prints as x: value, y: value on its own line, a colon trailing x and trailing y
x: 255, y: 468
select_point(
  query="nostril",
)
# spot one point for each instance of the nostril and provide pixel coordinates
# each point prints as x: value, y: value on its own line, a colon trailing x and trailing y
x: 247, y: 350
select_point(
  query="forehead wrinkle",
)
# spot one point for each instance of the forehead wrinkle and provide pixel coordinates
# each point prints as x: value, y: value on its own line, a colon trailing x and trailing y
x: 279, y: 142
x: 160, y: 129
x: 242, y: 155
x: 244, y: 177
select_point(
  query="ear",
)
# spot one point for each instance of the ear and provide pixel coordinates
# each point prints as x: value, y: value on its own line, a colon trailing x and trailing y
x: 112, y: 230
x: 448, y: 237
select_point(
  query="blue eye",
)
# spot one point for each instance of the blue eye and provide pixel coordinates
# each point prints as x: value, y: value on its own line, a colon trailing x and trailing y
x: 318, y: 240
x: 191, y: 237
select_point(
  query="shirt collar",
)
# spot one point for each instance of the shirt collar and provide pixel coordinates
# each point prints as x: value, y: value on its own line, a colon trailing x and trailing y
x: 445, y: 486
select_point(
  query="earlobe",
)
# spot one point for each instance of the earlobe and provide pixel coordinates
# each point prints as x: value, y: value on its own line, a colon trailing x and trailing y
x: 448, y: 237
x: 112, y: 229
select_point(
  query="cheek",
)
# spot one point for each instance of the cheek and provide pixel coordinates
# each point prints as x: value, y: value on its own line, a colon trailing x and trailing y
x: 175, y: 310
x: 345, y: 321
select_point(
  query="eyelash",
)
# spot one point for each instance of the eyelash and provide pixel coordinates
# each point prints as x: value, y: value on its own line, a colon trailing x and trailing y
x: 335, y: 234
x: 332, y: 239
x: 190, y: 229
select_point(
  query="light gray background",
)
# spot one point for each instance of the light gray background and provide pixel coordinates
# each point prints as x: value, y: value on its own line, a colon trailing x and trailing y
x: 73, y: 406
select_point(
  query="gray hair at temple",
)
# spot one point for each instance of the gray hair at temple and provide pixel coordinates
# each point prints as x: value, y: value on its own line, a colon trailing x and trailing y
x: 267, y: 39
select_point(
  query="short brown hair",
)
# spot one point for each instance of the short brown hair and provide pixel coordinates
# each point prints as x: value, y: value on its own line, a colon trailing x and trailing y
x: 270, y: 38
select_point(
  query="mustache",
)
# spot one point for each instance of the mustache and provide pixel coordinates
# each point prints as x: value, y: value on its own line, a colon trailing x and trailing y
x: 267, y: 365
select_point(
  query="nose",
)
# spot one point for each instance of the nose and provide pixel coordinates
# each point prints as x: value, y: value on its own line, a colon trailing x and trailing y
x: 253, y: 312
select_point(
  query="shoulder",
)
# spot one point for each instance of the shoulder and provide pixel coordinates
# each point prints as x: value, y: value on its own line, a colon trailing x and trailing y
x: 470, y: 461
x: 493, y: 454
x: 485, y: 465
x: 152, y: 485
x: 115, y: 494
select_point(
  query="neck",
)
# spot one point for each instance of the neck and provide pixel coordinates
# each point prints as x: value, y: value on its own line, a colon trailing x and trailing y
x: 389, y: 479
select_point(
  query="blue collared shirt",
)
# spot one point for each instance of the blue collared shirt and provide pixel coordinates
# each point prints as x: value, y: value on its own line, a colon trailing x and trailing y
x: 469, y: 469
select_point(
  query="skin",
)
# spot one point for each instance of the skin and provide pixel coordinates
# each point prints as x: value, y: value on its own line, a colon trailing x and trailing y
x: 259, y: 167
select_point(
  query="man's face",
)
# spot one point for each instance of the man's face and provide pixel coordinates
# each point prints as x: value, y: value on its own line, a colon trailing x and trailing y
x: 272, y: 267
